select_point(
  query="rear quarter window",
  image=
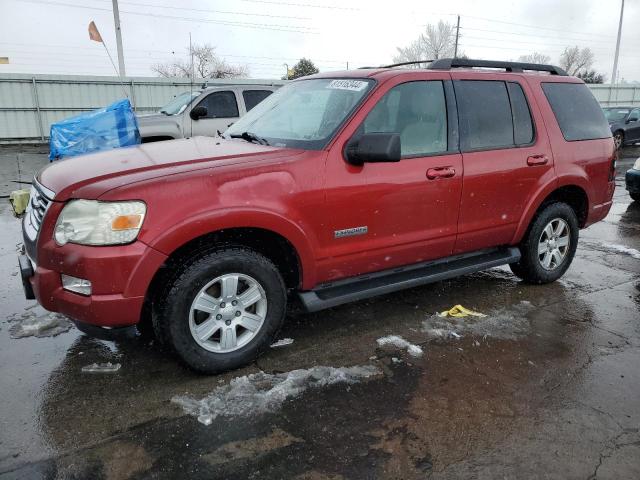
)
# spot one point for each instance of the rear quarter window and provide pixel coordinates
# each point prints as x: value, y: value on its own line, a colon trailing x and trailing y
x: 578, y: 113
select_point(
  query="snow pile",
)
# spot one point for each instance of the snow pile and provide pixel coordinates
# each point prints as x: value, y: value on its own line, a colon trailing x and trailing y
x: 622, y: 249
x: 31, y: 325
x: 399, y: 342
x: 265, y: 392
x: 505, y: 323
x: 283, y: 342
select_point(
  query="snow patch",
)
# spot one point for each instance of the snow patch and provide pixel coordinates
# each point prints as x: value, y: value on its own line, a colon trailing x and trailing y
x: 283, y: 342
x: 30, y: 325
x: 622, y: 249
x: 505, y: 323
x: 101, y: 367
x: 264, y: 392
x: 399, y: 342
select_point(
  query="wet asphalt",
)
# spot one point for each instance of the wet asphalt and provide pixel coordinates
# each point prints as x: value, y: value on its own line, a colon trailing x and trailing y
x: 547, y: 386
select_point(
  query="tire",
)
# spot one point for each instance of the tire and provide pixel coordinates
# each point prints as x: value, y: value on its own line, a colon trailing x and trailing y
x: 618, y: 139
x: 635, y: 196
x: 533, y: 267
x: 177, y: 317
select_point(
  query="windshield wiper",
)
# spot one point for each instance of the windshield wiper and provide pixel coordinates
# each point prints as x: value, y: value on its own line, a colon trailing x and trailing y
x: 250, y: 137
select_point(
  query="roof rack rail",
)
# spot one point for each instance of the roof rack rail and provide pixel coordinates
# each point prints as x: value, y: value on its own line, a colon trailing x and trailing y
x: 414, y: 62
x: 449, y: 63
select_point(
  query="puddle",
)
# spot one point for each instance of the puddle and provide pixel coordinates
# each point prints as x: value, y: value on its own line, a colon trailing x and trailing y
x: 29, y: 324
x: 614, y: 248
x: 401, y: 343
x: 504, y: 323
x: 265, y: 392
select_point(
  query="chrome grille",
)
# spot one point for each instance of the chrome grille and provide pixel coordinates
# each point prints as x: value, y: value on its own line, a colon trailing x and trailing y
x: 39, y: 200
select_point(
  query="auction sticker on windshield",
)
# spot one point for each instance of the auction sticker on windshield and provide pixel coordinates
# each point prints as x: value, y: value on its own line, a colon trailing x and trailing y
x: 355, y: 85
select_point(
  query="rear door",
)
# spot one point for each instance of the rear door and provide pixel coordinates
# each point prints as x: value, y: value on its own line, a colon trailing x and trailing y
x: 383, y: 215
x: 222, y: 111
x: 506, y: 156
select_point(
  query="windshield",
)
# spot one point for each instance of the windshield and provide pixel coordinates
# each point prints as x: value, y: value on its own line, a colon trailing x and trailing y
x: 179, y: 103
x: 303, y: 114
x: 615, y: 114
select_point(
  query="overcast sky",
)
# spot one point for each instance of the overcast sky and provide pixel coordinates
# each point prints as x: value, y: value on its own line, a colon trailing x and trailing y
x: 50, y: 36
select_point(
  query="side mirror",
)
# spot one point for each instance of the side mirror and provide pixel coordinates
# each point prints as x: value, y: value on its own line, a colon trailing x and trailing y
x: 374, y: 147
x: 632, y: 119
x: 198, y: 112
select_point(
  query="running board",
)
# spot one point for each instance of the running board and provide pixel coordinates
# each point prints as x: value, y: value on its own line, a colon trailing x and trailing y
x: 365, y: 286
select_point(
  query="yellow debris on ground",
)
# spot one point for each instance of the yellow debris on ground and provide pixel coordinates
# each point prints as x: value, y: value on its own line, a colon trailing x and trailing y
x: 19, y: 200
x: 460, y: 311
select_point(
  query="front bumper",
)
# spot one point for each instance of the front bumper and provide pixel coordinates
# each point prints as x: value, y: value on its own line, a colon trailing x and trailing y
x: 120, y: 276
x: 632, y: 180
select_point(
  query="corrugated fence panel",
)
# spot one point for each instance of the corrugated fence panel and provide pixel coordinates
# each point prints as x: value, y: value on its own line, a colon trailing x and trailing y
x: 30, y: 103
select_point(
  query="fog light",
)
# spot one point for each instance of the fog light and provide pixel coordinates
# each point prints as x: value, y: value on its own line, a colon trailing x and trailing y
x: 77, y: 285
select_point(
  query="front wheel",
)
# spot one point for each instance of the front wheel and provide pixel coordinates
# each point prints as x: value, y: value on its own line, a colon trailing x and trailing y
x: 549, y: 246
x: 222, y: 309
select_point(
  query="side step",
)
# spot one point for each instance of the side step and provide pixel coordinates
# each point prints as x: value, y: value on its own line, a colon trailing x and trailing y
x: 365, y: 286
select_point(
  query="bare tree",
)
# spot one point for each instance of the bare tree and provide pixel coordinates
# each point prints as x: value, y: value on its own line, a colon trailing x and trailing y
x: 535, y: 57
x: 438, y: 41
x: 575, y: 59
x: 206, y: 64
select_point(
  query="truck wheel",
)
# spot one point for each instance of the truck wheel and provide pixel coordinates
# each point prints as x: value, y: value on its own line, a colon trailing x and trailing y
x: 618, y: 139
x: 221, y: 309
x: 549, y: 246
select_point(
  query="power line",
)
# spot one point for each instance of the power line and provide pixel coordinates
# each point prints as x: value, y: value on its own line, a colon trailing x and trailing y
x: 519, y: 34
x: 537, y: 27
x: 308, y: 5
x: 258, y: 26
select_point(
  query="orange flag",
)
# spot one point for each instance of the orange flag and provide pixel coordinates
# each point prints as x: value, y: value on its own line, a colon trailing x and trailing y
x: 94, y: 34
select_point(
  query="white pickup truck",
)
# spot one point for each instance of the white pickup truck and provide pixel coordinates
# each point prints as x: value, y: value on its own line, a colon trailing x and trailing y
x: 202, y: 112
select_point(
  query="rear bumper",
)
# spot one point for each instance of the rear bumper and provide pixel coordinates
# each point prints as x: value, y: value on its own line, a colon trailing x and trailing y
x: 632, y: 180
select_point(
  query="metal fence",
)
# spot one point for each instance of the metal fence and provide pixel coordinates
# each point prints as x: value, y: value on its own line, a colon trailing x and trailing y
x: 29, y: 104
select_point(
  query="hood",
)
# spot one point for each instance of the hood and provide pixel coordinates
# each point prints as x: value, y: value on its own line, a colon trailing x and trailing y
x: 89, y: 176
x: 153, y: 117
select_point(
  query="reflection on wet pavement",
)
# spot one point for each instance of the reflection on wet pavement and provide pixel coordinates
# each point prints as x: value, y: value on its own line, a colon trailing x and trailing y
x: 545, y: 386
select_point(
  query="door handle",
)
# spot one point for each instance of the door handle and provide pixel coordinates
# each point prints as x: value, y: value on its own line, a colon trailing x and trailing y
x: 440, y: 172
x: 537, y: 160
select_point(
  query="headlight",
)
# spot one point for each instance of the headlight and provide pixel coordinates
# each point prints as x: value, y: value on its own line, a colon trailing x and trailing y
x: 89, y: 222
x: 636, y: 166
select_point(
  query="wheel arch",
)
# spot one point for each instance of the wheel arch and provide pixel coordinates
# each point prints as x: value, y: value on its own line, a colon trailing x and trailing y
x: 570, y: 193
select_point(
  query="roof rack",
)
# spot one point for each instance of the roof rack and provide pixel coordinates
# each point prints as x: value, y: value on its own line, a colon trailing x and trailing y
x: 449, y: 63
x: 414, y: 62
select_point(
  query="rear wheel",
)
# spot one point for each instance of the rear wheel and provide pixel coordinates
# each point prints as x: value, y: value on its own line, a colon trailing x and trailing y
x: 549, y: 246
x: 222, y: 309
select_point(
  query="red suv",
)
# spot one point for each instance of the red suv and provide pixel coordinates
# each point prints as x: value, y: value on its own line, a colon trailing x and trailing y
x: 337, y: 187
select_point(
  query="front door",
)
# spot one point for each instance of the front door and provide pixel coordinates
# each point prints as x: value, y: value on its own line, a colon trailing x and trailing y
x: 384, y: 215
x: 222, y: 111
x: 633, y: 127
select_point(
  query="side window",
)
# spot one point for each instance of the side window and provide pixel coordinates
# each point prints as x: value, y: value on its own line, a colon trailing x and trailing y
x: 522, y: 122
x: 221, y: 105
x: 415, y: 110
x: 635, y: 113
x: 484, y: 114
x: 254, y: 97
x: 578, y: 113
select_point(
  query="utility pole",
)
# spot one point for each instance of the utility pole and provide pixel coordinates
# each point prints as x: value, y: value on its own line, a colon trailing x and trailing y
x: 455, y: 51
x: 615, y: 58
x: 286, y: 65
x: 116, y: 20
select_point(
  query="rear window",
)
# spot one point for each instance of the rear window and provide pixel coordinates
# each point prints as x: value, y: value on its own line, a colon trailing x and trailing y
x: 578, y: 113
x: 254, y: 97
x: 484, y: 114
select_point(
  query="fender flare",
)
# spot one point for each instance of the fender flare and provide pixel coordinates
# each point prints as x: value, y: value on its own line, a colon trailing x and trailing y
x: 542, y: 194
x: 205, y: 223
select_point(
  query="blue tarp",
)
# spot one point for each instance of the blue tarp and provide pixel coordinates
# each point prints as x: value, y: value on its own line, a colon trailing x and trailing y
x: 103, y: 129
